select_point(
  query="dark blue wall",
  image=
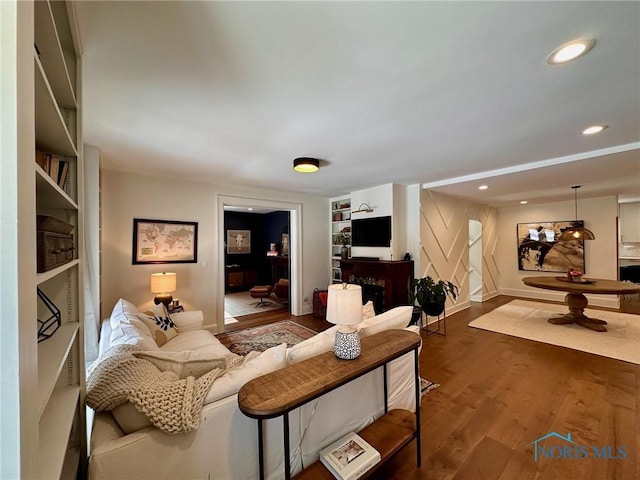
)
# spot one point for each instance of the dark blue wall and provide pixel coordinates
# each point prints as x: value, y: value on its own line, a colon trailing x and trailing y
x: 265, y: 229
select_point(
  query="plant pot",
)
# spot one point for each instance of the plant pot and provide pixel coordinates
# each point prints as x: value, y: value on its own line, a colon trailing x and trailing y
x: 433, y: 308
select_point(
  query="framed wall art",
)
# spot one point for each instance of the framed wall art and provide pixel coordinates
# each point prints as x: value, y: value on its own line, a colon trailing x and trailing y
x: 540, y: 251
x: 164, y: 241
x: 238, y: 241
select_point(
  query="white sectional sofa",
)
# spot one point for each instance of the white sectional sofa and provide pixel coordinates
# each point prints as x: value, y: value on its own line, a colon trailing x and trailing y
x: 124, y: 445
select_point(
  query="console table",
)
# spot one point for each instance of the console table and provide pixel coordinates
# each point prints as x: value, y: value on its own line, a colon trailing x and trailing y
x: 278, y: 393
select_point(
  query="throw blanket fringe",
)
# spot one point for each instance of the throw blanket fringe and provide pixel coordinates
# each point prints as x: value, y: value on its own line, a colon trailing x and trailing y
x: 172, y: 404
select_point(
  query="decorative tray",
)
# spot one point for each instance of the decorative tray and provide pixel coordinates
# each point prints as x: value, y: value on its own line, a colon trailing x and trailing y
x: 584, y: 281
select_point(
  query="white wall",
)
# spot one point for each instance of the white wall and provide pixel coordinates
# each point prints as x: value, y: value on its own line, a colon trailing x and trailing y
x: 381, y: 199
x: 127, y: 196
x: 599, y: 215
x: 444, y: 244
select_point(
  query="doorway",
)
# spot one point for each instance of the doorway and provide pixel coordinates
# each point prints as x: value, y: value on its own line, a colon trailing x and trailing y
x: 475, y: 261
x: 295, y: 274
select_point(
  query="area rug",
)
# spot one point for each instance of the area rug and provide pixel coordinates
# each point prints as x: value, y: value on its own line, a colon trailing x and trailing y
x: 241, y: 303
x: 266, y: 336
x: 427, y: 385
x: 526, y: 319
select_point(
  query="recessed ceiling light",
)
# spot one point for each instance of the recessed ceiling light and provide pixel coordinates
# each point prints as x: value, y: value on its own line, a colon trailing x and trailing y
x: 523, y: 202
x: 483, y: 187
x: 594, y: 129
x: 250, y: 209
x: 570, y: 51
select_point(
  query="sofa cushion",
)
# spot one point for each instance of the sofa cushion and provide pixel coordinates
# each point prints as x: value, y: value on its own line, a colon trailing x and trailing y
x: 320, y: 343
x: 368, y: 311
x: 159, y: 322
x: 201, y: 340
x: 398, y: 317
x: 127, y: 328
x: 119, y: 312
x: 129, y: 419
x: 190, y: 363
x: 189, y: 320
x: 230, y: 383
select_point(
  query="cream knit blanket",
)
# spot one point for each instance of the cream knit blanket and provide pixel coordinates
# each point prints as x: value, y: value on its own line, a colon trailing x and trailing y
x: 171, y: 404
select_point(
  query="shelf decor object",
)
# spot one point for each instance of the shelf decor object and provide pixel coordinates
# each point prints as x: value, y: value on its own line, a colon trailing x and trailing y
x: 46, y: 328
x: 163, y: 284
x: 344, y: 308
x: 164, y: 241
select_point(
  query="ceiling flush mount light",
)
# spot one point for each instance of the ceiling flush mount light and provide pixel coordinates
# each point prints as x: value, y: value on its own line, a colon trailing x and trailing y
x: 575, y: 232
x: 570, y: 51
x: 306, y: 165
x: 483, y: 187
x: 592, y: 130
x: 523, y: 202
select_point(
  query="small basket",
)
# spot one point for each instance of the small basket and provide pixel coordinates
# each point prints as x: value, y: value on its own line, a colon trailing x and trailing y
x: 320, y: 303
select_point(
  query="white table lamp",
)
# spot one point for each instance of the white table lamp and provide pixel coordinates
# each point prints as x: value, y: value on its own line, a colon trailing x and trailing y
x: 344, y: 308
x: 163, y: 284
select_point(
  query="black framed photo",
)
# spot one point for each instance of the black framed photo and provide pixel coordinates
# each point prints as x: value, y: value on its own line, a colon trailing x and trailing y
x: 164, y: 241
x: 539, y: 249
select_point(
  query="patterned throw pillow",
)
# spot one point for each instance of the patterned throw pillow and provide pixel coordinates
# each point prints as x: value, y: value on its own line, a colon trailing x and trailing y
x: 159, y: 323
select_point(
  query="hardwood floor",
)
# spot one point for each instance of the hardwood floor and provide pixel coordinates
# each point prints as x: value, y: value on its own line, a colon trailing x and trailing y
x: 499, y: 394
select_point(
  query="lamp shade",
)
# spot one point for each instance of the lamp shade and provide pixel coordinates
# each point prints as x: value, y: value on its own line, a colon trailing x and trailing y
x: 344, y: 304
x: 163, y: 282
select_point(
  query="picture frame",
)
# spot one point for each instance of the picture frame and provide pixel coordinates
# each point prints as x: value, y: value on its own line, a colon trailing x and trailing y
x: 238, y: 241
x: 164, y: 241
x: 540, y: 251
x: 284, y: 244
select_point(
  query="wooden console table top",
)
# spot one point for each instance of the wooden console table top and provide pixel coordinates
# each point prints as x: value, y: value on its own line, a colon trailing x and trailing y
x: 278, y: 392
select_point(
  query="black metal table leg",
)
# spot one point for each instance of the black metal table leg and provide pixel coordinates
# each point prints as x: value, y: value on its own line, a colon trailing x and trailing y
x: 418, y: 393
x: 287, y: 460
x: 260, y: 450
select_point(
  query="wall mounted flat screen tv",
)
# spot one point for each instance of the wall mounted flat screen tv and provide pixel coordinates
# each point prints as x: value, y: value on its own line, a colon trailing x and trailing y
x: 371, y: 232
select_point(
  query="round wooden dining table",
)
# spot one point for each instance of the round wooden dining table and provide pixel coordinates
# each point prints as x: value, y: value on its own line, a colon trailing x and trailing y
x: 575, y: 299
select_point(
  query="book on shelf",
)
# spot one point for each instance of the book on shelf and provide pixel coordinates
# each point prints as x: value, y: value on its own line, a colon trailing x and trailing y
x: 350, y: 457
x: 62, y: 177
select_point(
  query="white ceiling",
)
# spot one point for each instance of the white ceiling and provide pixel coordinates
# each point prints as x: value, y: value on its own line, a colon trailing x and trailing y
x: 418, y: 92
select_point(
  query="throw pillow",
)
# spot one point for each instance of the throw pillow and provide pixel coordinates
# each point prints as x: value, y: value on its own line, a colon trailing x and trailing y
x: 368, y: 311
x: 230, y: 383
x: 185, y: 364
x: 159, y: 323
x: 398, y: 317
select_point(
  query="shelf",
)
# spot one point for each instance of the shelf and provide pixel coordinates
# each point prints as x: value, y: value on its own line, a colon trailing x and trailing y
x: 54, y: 272
x: 52, y: 357
x: 388, y: 435
x: 55, y: 426
x: 52, y: 134
x: 49, y: 194
x: 52, y: 55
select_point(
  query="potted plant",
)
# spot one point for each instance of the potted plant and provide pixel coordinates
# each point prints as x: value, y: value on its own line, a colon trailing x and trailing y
x: 343, y: 238
x: 432, y: 295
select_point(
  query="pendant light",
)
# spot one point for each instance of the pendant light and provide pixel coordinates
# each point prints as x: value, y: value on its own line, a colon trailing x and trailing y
x: 575, y: 232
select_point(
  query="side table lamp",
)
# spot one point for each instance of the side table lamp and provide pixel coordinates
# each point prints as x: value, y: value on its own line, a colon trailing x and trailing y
x: 344, y: 308
x: 163, y: 284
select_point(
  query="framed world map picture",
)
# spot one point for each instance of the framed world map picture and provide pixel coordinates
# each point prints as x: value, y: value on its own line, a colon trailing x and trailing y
x: 164, y: 241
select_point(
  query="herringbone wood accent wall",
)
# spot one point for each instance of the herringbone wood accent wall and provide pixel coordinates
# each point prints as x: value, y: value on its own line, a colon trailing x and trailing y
x: 444, y: 243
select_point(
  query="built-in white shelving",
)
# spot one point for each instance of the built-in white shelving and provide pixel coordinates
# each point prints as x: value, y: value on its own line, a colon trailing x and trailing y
x: 340, y: 224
